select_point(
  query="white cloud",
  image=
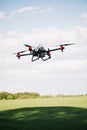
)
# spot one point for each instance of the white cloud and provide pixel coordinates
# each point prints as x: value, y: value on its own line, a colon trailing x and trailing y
x: 35, y: 9
x: 26, y: 11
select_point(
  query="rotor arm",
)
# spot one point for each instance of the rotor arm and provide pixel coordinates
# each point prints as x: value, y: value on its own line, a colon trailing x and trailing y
x: 54, y: 49
x: 26, y: 54
x: 19, y: 55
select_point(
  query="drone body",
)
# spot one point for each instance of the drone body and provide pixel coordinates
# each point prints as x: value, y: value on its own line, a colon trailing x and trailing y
x: 40, y: 52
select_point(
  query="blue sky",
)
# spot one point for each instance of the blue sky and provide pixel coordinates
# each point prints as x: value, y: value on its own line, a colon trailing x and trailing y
x: 47, y: 22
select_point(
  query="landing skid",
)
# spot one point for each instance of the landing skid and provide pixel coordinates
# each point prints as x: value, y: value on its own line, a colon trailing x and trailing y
x: 34, y: 59
x: 45, y: 58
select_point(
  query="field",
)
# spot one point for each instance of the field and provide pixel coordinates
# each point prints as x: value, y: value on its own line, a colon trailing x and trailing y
x: 62, y: 113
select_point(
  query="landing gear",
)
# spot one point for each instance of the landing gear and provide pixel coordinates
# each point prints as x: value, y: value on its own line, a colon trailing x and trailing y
x: 44, y: 59
x: 34, y: 59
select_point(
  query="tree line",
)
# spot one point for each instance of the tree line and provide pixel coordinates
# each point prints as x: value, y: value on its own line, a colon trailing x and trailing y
x: 28, y: 95
x: 19, y: 95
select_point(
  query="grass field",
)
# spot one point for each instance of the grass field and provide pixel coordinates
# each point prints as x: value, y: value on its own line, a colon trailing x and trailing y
x: 62, y: 113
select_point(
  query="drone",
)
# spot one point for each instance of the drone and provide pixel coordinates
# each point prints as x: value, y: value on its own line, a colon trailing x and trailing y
x: 40, y: 52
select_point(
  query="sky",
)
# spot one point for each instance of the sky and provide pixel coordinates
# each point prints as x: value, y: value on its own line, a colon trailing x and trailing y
x: 50, y: 23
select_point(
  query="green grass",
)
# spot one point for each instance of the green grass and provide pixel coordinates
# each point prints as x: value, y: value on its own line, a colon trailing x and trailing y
x: 63, y: 113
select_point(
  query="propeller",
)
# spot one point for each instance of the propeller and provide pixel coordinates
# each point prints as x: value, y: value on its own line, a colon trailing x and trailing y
x: 20, y: 52
x: 67, y: 44
x: 29, y: 46
x: 26, y: 45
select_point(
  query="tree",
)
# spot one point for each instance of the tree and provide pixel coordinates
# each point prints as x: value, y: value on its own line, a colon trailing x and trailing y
x: 3, y: 95
x: 10, y: 97
x: 20, y: 95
